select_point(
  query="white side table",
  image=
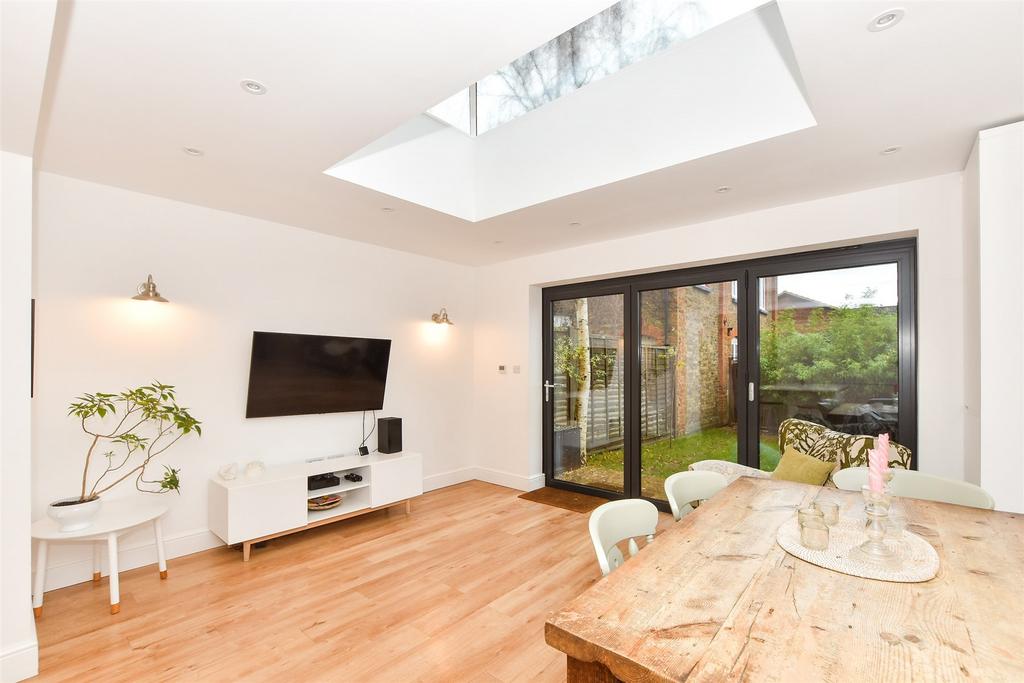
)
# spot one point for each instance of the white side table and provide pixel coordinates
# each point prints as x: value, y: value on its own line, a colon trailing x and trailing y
x: 114, y: 518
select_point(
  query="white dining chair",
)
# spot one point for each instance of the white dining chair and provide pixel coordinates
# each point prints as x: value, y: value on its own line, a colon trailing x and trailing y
x: 684, y: 488
x: 912, y: 484
x: 614, y: 522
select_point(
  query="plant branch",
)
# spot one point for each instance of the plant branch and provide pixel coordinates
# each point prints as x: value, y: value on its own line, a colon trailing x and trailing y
x: 110, y: 469
x: 88, y: 456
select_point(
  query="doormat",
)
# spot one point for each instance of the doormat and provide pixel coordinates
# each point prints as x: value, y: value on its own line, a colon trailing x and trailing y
x: 567, y: 500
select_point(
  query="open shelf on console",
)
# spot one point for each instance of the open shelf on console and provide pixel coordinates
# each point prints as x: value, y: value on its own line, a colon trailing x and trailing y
x: 355, y: 500
x: 344, y: 486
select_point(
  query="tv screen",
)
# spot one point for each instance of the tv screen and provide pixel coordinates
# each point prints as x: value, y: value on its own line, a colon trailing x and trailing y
x: 300, y: 374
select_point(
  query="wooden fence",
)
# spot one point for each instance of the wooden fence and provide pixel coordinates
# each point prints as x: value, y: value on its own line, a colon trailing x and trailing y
x: 607, y: 421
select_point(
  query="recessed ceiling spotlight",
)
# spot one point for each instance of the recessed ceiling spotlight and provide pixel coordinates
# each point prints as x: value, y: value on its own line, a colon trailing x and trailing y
x: 575, y: 224
x: 387, y: 209
x: 723, y: 189
x: 253, y: 87
x: 886, y: 19
x: 891, y: 150
x: 192, y: 151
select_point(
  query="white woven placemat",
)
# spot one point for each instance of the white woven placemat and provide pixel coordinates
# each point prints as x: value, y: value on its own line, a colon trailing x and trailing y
x: 918, y: 560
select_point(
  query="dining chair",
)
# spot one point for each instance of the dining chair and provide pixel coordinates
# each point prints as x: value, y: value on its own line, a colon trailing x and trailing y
x: 913, y: 484
x: 683, y: 488
x: 614, y: 522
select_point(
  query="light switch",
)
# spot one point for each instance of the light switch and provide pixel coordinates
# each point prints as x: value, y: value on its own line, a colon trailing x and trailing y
x: 515, y: 369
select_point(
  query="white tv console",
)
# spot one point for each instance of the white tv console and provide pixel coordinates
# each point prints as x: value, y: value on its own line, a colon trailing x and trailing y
x: 249, y: 510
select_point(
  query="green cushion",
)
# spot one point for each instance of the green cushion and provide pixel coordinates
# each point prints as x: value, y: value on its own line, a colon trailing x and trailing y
x: 804, y: 469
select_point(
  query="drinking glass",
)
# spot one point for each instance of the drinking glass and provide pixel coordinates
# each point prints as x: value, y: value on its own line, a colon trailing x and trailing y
x: 829, y: 511
x: 813, y: 532
x: 804, y: 514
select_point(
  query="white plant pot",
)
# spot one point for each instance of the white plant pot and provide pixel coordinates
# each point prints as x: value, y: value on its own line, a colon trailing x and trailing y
x: 73, y: 517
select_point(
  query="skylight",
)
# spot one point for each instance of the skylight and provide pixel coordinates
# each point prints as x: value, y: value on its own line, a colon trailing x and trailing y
x: 621, y: 35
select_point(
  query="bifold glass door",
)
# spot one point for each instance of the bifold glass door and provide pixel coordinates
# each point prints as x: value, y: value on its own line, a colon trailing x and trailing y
x: 689, y: 379
x: 829, y: 353
x: 646, y: 375
x: 586, y: 394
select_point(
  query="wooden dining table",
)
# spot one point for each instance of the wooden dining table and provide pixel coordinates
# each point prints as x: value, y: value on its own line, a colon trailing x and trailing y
x: 715, y: 598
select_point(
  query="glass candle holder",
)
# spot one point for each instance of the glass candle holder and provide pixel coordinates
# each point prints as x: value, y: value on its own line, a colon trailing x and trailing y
x: 829, y: 511
x: 874, y: 550
x: 896, y: 524
x: 814, y: 532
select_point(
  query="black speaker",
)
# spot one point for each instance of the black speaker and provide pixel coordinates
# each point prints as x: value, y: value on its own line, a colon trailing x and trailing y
x: 389, y: 434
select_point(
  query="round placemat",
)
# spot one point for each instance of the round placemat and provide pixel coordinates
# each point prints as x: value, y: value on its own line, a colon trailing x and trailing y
x: 918, y: 560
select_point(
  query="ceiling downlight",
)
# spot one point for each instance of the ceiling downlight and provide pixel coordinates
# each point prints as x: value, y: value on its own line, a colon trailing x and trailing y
x: 886, y: 19
x: 253, y: 87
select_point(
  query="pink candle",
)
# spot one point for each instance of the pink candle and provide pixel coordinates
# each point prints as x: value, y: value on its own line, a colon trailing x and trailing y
x: 876, y: 461
x: 882, y: 444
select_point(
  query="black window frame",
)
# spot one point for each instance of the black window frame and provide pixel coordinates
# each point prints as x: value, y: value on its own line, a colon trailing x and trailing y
x: 903, y: 252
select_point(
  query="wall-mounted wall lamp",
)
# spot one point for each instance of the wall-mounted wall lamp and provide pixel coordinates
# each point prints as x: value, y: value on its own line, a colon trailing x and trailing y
x: 147, y: 292
x: 441, y: 318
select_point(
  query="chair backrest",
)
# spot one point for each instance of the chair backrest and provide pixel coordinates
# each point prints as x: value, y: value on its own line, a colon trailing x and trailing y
x: 683, y: 488
x: 913, y: 484
x: 616, y: 521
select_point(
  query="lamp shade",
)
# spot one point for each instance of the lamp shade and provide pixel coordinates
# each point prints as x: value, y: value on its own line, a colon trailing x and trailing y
x: 148, y: 292
x: 441, y: 317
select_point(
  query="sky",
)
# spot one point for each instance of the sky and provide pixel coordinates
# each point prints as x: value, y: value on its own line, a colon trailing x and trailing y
x: 832, y: 286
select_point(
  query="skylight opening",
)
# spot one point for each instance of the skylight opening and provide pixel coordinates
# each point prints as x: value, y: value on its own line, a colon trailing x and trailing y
x: 624, y: 34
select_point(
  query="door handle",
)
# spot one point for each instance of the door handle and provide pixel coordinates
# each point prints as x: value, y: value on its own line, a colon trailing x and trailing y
x: 750, y: 392
x: 548, y: 386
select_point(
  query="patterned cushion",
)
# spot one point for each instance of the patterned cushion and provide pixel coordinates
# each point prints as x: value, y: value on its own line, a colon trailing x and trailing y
x: 851, y: 450
x: 799, y: 435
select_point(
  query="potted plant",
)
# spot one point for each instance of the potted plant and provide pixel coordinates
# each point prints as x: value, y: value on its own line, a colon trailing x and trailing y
x: 149, y: 421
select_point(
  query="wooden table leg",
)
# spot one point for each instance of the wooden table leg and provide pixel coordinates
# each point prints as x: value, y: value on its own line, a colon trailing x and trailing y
x: 577, y: 671
x: 246, y: 549
x: 115, y: 588
x: 96, y: 568
x: 161, y: 556
x: 40, y: 585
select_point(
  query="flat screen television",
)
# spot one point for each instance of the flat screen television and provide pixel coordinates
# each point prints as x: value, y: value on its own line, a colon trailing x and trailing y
x: 302, y: 374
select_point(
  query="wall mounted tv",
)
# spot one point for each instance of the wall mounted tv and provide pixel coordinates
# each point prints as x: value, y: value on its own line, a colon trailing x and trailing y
x: 301, y: 374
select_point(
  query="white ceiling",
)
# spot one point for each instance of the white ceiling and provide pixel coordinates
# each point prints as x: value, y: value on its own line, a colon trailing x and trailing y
x: 642, y: 120
x: 137, y: 81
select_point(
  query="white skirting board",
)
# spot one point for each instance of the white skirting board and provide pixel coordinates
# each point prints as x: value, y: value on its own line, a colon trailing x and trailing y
x: 491, y: 476
x: 19, y: 662
x: 131, y: 557
x: 186, y: 543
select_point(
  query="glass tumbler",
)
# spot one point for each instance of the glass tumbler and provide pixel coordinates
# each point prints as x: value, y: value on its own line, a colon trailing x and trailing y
x: 813, y: 530
x: 829, y: 511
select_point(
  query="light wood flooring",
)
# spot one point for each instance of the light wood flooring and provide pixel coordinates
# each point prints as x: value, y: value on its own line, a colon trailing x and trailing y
x: 458, y: 591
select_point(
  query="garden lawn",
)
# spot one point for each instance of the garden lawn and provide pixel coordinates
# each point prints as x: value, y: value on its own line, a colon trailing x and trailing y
x: 667, y: 456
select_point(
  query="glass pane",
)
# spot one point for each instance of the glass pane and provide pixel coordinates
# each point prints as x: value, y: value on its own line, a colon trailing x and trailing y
x: 589, y: 392
x: 621, y: 35
x: 829, y: 352
x: 689, y: 374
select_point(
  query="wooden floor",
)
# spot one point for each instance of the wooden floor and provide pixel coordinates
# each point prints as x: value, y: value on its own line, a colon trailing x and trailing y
x: 458, y: 591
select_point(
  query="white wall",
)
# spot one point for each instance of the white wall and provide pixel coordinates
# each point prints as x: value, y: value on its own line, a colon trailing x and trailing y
x: 26, y: 30
x: 18, y: 650
x: 227, y: 275
x: 999, y: 193
x: 507, y: 408
x: 972, y: 321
